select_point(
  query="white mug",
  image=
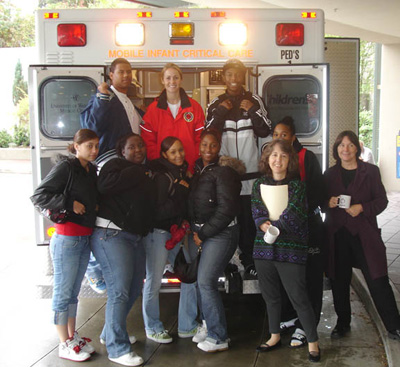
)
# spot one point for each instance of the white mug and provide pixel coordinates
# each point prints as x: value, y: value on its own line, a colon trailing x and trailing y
x: 344, y: 201
x: 271, y: 235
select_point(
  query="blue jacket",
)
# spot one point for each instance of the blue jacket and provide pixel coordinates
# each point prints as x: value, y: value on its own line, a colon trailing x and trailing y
x: 108, y: 119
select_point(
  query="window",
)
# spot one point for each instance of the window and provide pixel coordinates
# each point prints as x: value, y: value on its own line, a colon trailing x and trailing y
x: 62, y: 100
x: 296, y: 96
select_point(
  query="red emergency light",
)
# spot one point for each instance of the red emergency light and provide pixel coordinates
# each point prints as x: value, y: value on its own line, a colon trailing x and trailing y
x: 289, y: 34
x: 181, y: 14
x: 309, y: 15
x: 51, y: 15
x: 144, y: 14
x: 69, y: 35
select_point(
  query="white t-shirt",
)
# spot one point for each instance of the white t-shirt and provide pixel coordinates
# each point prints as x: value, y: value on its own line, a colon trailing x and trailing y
x: 174, y: 108
x: 133, y: 116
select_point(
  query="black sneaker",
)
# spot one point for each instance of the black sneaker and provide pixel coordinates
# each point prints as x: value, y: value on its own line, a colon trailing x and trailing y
x: 251, y: 270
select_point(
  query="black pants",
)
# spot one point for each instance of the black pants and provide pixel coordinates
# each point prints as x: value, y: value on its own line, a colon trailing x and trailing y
x: 247, y: 232
x: 314, y: 285
x: 293, y: 278
x: 349, y: 253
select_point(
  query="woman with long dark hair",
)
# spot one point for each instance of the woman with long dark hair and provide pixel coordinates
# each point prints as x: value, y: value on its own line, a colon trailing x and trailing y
x: 69, y: 246
x: 171, y: 176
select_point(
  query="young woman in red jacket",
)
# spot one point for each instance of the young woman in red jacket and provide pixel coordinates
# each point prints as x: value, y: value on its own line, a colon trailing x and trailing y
x: 173, y: 113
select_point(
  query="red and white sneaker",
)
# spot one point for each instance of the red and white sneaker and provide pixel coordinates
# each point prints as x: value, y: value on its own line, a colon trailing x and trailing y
x: 84, y: 343
x: 71, y: 350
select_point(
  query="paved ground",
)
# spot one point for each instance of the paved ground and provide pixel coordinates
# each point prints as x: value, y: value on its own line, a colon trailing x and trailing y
x: 28, y: 338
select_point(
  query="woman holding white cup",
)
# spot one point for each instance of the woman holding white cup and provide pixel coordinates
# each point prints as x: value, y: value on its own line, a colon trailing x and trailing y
x: 354, y: 238
x: 283, y: 260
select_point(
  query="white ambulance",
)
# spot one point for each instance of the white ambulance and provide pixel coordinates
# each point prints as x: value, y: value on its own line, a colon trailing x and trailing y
x: 282, y: 48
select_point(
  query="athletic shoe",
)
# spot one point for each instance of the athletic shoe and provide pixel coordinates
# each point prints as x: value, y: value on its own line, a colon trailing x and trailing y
x: 71, y: 350
x: 210, y: 346
x: 129, y: 359
x: 162, y: 337
x: 98, y: 285
x: 189, y: 334
x: 84, y: 343
x: 132, y: 340
x: 201, y: 334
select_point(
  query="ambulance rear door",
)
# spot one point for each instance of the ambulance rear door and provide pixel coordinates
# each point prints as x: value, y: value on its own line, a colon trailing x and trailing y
x: 299, y: 91
x: 57, y: 96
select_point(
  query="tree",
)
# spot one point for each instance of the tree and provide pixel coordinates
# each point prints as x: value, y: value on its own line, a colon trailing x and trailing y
x: 71, y: 4
x: 367, y: 69
x: 20, y: 87
x: 15, y: 30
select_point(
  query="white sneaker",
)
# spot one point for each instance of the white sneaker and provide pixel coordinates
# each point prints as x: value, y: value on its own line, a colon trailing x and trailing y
x: 84, y: 343
x: 129, y: 359
x: 201, y: 334
x: 162, y: 337
x: 71, y: 350
x: 211, y: 346
x: 132, y: 340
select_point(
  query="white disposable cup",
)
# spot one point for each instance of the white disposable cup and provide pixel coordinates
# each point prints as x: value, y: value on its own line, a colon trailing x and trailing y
x: 271, y: 235
x: 344, y: 201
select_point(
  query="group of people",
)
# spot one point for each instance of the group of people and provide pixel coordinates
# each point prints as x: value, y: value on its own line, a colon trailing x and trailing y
x: 172, y: 170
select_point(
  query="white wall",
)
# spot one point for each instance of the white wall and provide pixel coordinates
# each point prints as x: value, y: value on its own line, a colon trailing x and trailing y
x: 9, y: 58
x: 389, y: 115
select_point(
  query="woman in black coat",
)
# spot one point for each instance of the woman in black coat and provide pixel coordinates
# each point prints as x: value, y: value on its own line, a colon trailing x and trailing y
x: 126, y: 212
x: 354, y: 238
x: 172, y: 184
x: 214, y: 203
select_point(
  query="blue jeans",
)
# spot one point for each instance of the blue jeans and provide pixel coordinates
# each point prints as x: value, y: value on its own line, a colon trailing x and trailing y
x: 215, y: 256
x: 93, y: 270
x: 122, y: 258
x: 70, y: 255
x: 156, y: 258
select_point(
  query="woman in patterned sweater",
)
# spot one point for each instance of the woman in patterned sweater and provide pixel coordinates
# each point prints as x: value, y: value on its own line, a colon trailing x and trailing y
x: 284, y: 260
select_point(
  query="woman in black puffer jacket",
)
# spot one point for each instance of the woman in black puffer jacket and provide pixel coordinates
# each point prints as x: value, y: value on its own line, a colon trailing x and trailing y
x: 214, y: 203
x: 172, y: 185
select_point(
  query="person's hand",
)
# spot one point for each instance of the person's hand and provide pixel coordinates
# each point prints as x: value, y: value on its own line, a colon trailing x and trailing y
x: 246, y: 104
x: 355, y: 210
x: 79, y: 208
x: 333, y: 202
x: 103, y: 88
x: 227, y: 104
x: 189, y: 174
x: 196, y: 239
x: 184, y: 183
x: 264, y: 227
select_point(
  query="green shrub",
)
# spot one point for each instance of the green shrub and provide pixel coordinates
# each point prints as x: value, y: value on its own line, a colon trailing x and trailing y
x: 365, y: 127
x: 5, y: 138
x: 21, y: 135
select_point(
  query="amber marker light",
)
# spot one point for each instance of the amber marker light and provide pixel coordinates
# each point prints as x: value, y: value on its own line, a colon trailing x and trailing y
x: 51, y: 231
x: 308, y: 15
x: 181, y: 14
x: 51, y: 15
x: 144, y: 14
